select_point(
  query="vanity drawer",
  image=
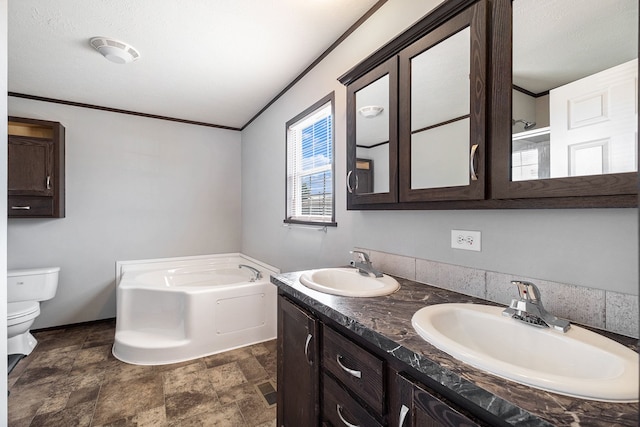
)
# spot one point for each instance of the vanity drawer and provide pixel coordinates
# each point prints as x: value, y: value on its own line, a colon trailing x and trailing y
x: 355, y: 367
x: 339, y: 409
x: 26, y: 206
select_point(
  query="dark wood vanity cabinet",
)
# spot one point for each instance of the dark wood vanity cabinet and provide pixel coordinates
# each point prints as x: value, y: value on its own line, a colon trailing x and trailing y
x: 35, y: 169
x: 298, y: 366
x: 326, y: 378
x: 418, y: 406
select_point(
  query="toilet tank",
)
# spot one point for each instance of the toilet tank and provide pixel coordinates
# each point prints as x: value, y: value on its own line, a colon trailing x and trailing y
x: 36, y: 284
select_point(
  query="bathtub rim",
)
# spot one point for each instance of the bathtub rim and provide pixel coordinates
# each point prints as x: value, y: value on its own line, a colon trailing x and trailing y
x: 140, y: 265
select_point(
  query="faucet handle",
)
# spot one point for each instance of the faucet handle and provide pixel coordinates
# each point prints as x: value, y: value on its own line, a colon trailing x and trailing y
x: 363, y: 255
x: 528, y: 291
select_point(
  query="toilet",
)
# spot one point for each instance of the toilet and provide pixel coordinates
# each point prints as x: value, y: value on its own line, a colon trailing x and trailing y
x: 25, y: 289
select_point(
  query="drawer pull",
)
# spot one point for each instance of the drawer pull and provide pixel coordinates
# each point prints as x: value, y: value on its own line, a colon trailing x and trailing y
x: 347, y: 423
x: 306, y: 348
x: 355, y: 373
x: 404, y: 411
x: 20, y: 208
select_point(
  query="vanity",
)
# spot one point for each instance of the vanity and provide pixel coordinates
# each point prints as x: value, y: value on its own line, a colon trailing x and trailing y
x: 457, y: 113
x: 345, y: 361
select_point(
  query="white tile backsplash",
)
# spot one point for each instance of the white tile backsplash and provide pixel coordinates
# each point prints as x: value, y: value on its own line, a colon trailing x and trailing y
x: 601, y: 309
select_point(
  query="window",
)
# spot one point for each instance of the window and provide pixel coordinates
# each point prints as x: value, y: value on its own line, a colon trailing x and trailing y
x: 524, y: 165
x: 310, y: 174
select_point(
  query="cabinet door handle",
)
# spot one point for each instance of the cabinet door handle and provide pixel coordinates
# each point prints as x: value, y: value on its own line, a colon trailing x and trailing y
x: 353, y: 372
x: 48, y: 182
x: 306, y: 348
x: 347, y: 423
x: 20, y: 208
x: 404, y: 411
x: 472, y: 157
x: 349, y: 189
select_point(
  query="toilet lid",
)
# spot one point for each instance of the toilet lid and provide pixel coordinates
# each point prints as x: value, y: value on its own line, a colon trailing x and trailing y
x: 22, y: 308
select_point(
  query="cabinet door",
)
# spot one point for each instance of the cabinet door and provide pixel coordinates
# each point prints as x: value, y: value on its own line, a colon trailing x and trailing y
x: 564, y: 125
x: 372, y: 137
x: 35, y: 168
x: 298, y: 366
x: 30, y: 164
x: 442, y: 111
x: 420, y: 407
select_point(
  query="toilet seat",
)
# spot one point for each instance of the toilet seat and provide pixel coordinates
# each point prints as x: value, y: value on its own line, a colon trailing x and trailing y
x: 18, y: 312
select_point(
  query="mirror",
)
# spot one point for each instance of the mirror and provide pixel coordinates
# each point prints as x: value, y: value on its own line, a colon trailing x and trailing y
x: 372, y: 137
x: 440, y: 111
x: 574, y: 100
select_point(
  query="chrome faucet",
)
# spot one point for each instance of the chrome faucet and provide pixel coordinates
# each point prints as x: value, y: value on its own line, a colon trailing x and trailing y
x: 529, y: 309
x: 364, y: 266
x: 258, y: 274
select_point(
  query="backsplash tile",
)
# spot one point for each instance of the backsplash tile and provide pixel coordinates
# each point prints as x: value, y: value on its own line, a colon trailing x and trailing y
x: 396, y: 265
x: 601, y: 309
x: 622, y: 313
x: 465, y: 280
x: 428, y: 272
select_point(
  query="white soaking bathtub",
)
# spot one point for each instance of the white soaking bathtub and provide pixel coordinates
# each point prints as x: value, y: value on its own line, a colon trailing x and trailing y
x: 175, y: 309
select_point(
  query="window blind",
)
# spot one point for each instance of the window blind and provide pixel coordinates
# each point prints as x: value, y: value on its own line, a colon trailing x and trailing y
x: 310, y: 167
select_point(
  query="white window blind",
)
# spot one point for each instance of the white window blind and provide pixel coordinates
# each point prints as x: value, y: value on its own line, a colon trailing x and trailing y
x: 310, y: 167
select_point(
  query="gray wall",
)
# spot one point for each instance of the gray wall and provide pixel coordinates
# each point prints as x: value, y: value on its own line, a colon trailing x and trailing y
x: 595, y: 248
x: 136, y: 188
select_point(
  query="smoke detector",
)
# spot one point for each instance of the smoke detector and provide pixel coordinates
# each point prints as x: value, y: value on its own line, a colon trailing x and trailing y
x: 115, y: 50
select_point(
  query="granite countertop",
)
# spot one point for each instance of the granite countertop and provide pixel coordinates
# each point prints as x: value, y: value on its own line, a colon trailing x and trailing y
x: 385, y: 322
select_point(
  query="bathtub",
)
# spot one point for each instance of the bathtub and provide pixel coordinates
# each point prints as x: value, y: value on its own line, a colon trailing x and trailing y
x: 175, y: 309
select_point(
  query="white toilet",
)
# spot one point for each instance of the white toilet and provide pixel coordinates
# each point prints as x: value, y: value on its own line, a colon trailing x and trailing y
x: 25, y: 289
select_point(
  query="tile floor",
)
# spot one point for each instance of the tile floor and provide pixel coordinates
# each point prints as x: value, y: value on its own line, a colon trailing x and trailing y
x: 72, y: 379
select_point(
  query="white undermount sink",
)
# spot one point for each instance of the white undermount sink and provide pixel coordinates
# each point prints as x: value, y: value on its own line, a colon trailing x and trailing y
x: 578, y: 363
x: 348, y: 282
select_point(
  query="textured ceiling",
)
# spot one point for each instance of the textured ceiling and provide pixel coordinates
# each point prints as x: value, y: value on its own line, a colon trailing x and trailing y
x: 212, y: 61
x: 559, y: 41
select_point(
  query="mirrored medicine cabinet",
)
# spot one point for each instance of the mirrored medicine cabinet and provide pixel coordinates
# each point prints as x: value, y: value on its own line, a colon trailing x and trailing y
x: 573, y: 101
x: 372, y: 156
x: 501, y: 104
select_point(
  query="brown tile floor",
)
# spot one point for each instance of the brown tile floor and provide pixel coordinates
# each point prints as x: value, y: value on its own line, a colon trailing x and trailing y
x: 72, y: 379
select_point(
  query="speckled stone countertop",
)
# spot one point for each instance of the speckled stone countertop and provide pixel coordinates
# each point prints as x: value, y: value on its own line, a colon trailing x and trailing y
x: 385, y: 322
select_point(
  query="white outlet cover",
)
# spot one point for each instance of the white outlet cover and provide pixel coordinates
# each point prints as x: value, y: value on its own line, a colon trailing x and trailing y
x: 466, y: 240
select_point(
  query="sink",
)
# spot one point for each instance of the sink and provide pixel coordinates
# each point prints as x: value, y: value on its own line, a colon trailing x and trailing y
x: 578, y: 363
x: 348, y: 282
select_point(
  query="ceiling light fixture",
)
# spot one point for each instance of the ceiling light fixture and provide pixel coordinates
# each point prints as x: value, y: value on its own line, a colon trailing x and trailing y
x: 370, y: 111
x: 115, y: 50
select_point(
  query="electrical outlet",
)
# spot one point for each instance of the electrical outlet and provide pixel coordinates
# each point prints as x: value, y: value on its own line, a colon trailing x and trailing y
x: 464, y: 239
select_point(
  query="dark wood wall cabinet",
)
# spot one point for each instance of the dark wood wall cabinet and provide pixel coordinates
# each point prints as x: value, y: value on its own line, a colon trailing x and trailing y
x: 450, y: 116
x: 35, y: 169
